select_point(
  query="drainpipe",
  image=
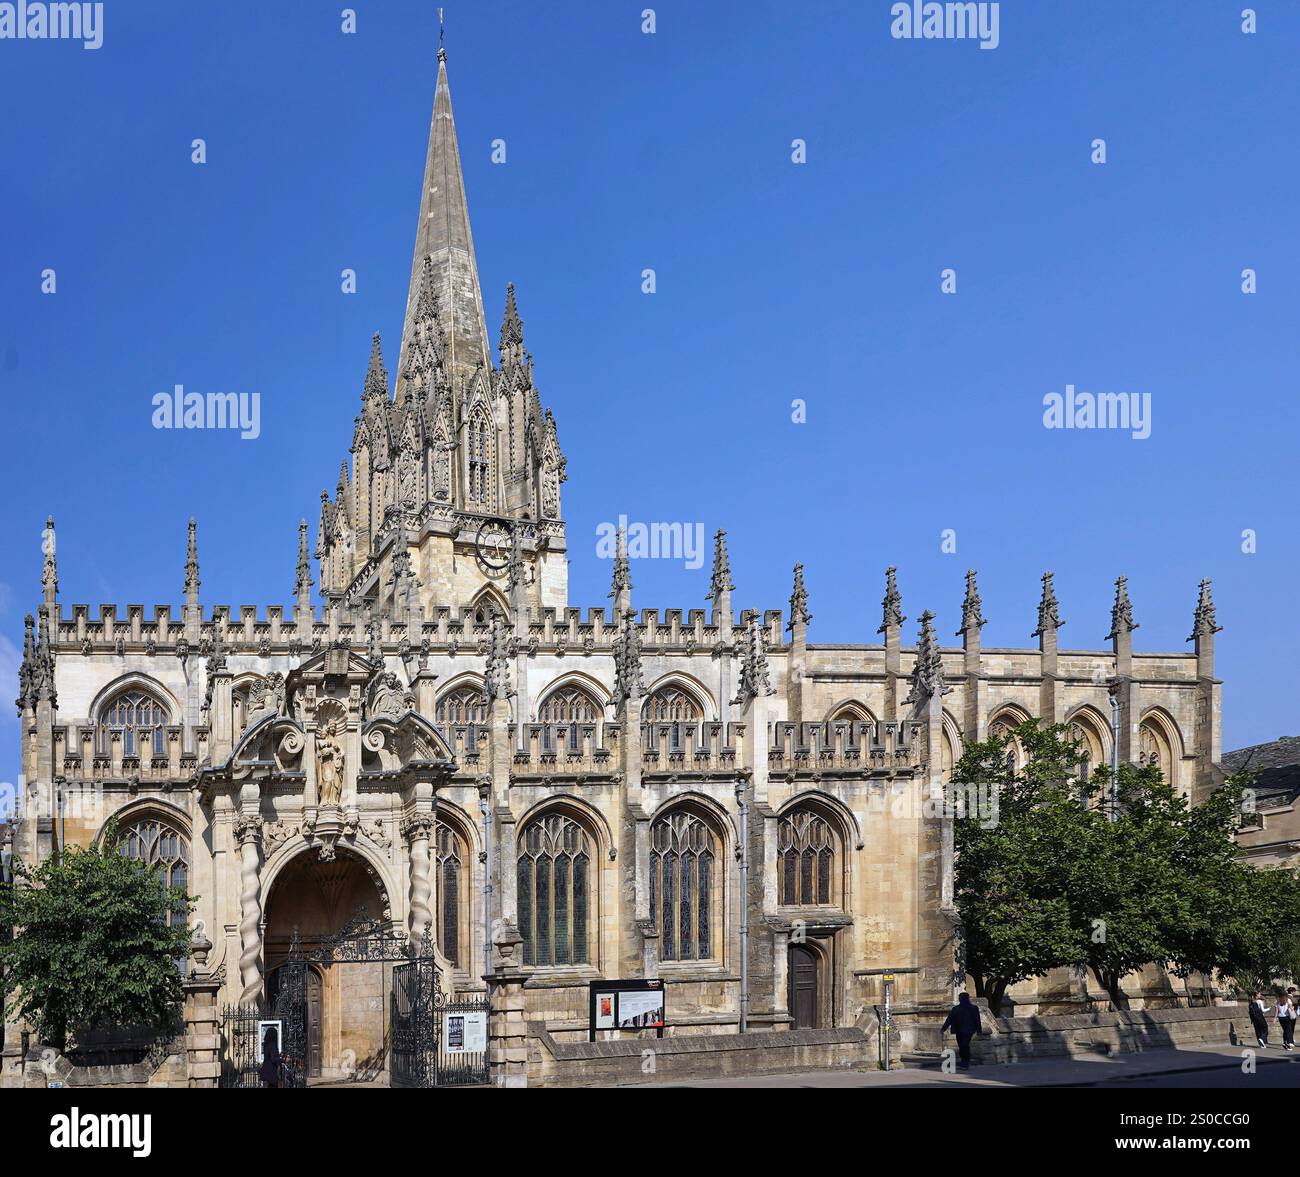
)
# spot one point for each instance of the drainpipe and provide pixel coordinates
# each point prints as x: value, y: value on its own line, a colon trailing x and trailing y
x: 742, y: 801
x: 1114, y: 750
x: 484, y: 798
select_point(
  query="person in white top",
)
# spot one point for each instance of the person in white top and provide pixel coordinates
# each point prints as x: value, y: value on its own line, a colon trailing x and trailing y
x: 1286, y: 1016
x: 1258, y: 1017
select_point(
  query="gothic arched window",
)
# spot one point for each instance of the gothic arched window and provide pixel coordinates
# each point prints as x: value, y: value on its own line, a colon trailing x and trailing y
x: 674, y: 706
x: 684, y: 885
x: 556, y: 881
x: 807, y: 853
x: 130, y: 712
x: 480, y: 459
x: 571, y: 707
x: 449, y: 854
x: 156, y: 843
x: 463, y: 705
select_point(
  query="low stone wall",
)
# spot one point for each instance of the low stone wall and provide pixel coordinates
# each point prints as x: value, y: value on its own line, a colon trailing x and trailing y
x: 692, y: 1056
x: 1123, y: 1031
x: 44, y: 1066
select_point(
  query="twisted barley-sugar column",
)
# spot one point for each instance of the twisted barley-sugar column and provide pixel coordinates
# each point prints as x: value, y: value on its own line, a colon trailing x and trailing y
x: 417, y: 831
x: 248, y: 831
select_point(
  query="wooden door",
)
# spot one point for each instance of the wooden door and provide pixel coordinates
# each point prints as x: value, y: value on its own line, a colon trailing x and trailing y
x: 803, y: 996
x: 315, y: 1023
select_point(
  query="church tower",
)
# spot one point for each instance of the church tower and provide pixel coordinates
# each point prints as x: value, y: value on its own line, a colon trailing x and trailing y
x: 453, y: 498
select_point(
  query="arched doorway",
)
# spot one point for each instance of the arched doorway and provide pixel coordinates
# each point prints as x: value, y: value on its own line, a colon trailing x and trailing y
x: 804, y: 999
x: 346, y: 1001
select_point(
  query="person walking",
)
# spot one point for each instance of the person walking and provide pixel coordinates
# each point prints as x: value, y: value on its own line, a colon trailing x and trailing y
x: 964, y: 1021
x: 1286, y: 1015
x: 1259, y: 1018
x: 269, y: 1071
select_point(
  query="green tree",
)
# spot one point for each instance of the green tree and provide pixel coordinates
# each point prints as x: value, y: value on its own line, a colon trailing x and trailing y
x: 1014, y: 848
x: 97, y: 942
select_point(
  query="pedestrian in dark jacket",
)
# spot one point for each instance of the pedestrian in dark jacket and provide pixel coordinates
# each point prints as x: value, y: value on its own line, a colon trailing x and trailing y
x: 269, y: 1071
x: 1259, y: 1017
x: 964, y: 1021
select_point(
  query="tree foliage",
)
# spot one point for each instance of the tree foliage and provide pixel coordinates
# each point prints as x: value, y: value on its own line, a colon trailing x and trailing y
x: 98, y: 940
x: 1058, y: 879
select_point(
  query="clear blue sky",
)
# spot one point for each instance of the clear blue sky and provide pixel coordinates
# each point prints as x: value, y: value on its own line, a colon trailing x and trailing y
x: 775, y: 281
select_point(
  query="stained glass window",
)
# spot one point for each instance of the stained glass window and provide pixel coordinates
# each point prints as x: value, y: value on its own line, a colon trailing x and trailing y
x: 673, y: 706
x: 683, y: 858
x: 129, y: 713
x: 450, y: 862
x: 806, y: 853
x: 555, y: 863
x: 570, y: 706
x: 151, y: 842
x: 463, y: 705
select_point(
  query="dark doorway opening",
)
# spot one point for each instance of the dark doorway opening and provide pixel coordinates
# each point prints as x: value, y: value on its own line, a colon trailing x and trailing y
x: 804, y: 1001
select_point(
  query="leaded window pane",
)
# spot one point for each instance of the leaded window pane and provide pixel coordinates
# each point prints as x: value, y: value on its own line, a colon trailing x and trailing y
x: 153, y: 843
x: 682, y: 848
x: 553, y: 891
x: 130, y: 713
x: 806, y: 848
x: 704, y: 931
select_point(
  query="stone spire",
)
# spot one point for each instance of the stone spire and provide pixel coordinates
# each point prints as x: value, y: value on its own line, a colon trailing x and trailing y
x: 192, y: 568
x: 629, y: 681
x: 496, y: 676
x: 972, y: 616
x: 755, y: 677
x: 1049, y: 615
x: 799, y: 614
x: 1121, y: 613
x: 927, y: 671
x: 893, y: 603
x: 721, y: 581
x: 27, y: 666
x: 443, y: 237
x: 1204, y: 620
x: 511, y: 341
x: 622, y: 587
x: 50, y: 574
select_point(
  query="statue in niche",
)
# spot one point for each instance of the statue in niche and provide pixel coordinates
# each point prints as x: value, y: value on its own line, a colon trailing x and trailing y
x: 329, y: 762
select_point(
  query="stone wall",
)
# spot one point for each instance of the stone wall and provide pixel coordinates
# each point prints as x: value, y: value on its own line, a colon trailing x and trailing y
x: 1123, y: 1031
x: 694, y: 1056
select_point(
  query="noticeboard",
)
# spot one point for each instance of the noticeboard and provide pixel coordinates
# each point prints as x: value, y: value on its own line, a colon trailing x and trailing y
x: 626, y: 1005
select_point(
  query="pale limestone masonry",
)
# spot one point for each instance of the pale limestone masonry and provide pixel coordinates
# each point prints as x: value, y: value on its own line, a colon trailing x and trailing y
x: 441, y: 717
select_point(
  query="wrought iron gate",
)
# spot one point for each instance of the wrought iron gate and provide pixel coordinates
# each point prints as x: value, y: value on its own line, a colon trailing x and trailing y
x: 434, y: 1039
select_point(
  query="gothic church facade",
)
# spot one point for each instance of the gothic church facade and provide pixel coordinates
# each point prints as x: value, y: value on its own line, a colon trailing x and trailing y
x: 442, y: 742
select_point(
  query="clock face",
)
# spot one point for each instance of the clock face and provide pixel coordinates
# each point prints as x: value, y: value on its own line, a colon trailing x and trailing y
x: 492, y: 548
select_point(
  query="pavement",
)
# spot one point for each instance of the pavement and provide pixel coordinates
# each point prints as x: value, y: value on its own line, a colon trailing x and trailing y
x: 1210, y: 1065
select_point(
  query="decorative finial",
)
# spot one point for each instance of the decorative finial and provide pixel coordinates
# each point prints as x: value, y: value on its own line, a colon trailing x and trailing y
x: 376, y: 384
x: 755, y: 678
x: 972, y: 616
x: 1049, y: 615
x: 927, y: 672
x: 496, y: 677
x: 629, y: 681
x: 192, y: 565
x: 1204, y: 620
x: 442, y: 52
x: 28, y: 665
x: 622, y: 569
x: 1121, y: 613
x: 721, y: 580
x: 304, y: 582
x: 799, y: 614
x: 893, y: 603
x: 512, y: 326
x: 42, y: 677
x: 50, y: 572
